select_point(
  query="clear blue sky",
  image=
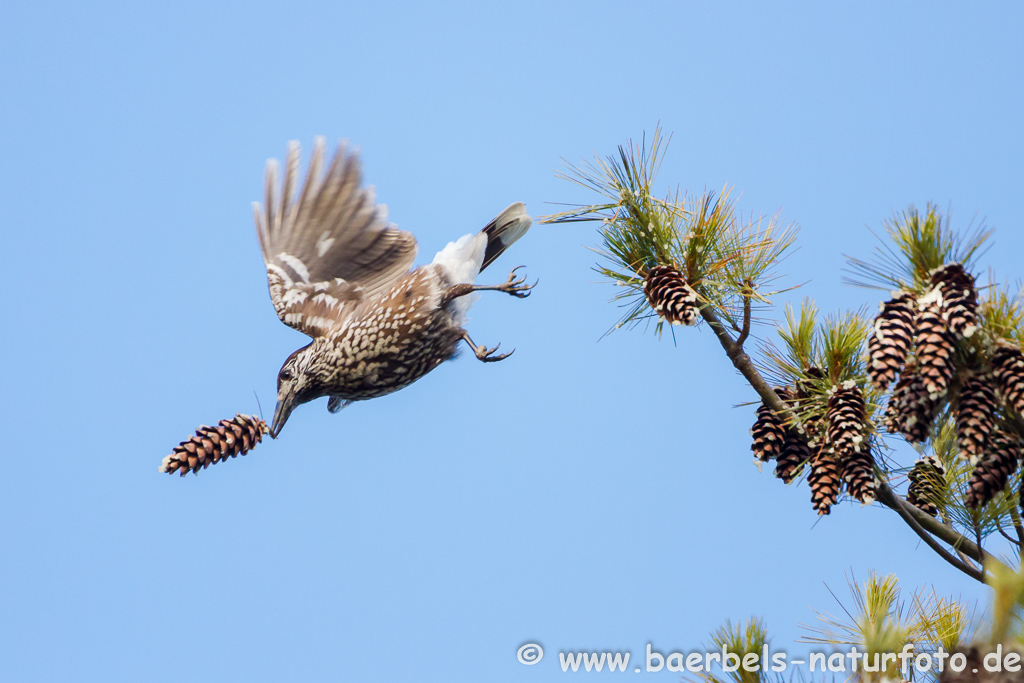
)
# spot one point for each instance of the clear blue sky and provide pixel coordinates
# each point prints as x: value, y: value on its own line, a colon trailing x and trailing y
x: 582, y: 494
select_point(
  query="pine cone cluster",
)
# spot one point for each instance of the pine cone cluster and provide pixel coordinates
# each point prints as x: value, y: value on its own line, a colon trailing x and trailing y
x: 850, y: 455
x: 832, y: 447
x: 918, y: 342
x: 829, y: 471
x: 959, y: 298
x: 927, y: 480
x: 671, y: 296
x: 210, y: 445
x: 994, y: 469
x: 946, y: 312
x: 892, y: 338
x: 924, y: 371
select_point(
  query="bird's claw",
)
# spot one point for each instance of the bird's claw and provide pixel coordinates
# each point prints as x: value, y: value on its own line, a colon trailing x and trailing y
x: 487, y: 355
x: 516, y: 284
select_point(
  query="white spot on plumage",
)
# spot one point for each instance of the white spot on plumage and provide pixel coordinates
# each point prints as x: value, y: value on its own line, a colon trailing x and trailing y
x: 293, y: 296
x: 296, y: 265
x: 325, y: 298
x: 274, y: 269
x: 324, y: 243
x: 319, y: 321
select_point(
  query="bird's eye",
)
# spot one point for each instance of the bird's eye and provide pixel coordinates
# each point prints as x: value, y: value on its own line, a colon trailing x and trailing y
x: 286, y: 375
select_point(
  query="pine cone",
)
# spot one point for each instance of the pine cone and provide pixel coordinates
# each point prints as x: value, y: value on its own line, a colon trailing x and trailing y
x: 824, y: 481
x: 910, y: 410
x: 794, y: 455
x: 894, y: 334
x: 845, y: 418
x: 994, y: 469
x: 859, y: 474
x: 768, y: 431
x: 927, y: 480
x: 975, y: 416
x: 228, y: 439
x: 1008, y: 369
x: 670, y: 296
x: 959, y: 300
x: 935, y: 346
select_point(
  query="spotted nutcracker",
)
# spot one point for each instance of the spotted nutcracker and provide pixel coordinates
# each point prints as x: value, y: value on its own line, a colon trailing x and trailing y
x: 340, y: 273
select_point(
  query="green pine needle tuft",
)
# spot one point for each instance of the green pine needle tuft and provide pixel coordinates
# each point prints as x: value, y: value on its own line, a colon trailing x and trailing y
x: 1002, y: 312
x: 943, y: 622
x: 881, y: 621
x: 749, y: 637
x: 801, y: 347
x: 842, y: 346
x: 878, y: 621
x: 919, y: 245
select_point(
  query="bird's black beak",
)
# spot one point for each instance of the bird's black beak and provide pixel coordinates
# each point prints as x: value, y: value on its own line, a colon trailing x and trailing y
x: 281, y: 413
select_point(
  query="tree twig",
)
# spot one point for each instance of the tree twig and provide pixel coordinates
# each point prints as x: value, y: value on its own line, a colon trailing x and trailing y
x: 977, y: 535
x: 741, y: 361
x: 1017, y: 525
x: 745, y: 332
x: 959, y: 553
x: 1007, y: 536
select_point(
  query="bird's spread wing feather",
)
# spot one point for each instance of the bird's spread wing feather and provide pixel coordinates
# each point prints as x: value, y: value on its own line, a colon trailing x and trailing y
x: 330, y: 247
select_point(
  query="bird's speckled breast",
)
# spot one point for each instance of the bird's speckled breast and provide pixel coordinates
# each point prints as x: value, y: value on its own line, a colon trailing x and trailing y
x: 393, y: 343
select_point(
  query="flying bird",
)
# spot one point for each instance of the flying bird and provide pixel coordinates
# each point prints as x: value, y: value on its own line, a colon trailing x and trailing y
x: 340, y: 273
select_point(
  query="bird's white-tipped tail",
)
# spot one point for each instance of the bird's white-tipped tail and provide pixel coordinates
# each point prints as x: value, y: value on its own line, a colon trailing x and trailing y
x: 470, y: 254
x: 504, y: 230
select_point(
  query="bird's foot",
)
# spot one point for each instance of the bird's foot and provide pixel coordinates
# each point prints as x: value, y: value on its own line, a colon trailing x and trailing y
x: 487, y: 355
x: 516, y: 285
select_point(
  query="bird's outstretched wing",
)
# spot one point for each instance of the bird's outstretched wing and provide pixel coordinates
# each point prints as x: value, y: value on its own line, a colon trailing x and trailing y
x: 330, y: 247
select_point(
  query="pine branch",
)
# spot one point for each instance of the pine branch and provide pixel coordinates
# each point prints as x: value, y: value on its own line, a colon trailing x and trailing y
x: 890, y: 499
x: 925, y: 526
x: 677, y: 255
